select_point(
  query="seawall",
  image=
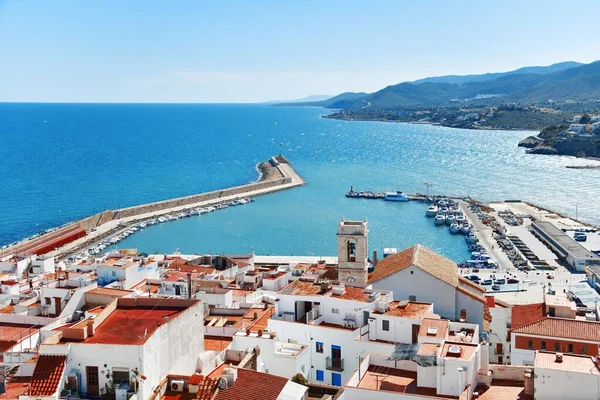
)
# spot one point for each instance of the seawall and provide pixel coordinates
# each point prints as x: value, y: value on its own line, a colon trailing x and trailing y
x: 275, y: 174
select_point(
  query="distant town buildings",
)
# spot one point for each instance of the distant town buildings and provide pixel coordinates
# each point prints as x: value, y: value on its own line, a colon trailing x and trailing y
x: 134, y: 326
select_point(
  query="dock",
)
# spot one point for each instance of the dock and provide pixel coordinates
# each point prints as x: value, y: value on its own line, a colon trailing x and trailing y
x: 276, y: 174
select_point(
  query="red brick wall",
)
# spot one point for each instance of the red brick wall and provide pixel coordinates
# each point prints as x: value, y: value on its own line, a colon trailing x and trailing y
x: 522, y: 342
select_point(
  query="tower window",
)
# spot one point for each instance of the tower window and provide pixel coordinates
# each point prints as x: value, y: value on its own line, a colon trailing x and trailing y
x: 351, y: 250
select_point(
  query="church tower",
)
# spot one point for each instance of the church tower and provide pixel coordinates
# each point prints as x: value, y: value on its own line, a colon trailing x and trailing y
x: 352, y: 251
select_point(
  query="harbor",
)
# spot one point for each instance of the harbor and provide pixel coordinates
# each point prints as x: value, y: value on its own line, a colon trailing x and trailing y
x: 95, y: 233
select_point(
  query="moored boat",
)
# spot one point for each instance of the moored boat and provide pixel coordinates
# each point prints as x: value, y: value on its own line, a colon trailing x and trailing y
x: 454, y: 227
x: 396, y: 196
x: 440, y: 219
x: 431, y: 211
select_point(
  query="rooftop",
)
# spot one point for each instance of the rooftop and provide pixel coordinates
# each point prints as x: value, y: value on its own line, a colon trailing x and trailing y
x: 465, y: 351
x: 410, y: 309
x: 117, y: 262
x: 570, y: 363
x: 504, y: 390
x: 564, y: 240
x: 132, y: 324
x: 420, y: 257
x: 16, y: 387
x: 275, y: 276
x: 253, y: 385
x: 526, y: 314
x: 310, y: 287
x: 47, y: 375
x: 394, y: 380
x: 434, y: 328
x: 216, y: 343
x: 562, y: 328
x: 110, y: 291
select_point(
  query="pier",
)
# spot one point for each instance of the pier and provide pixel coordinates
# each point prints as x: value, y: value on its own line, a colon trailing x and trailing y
x: 276, y: 174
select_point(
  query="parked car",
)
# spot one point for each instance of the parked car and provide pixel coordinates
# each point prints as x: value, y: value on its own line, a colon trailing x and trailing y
x: 512, y: 280
x: 500, y: 281
x: 495, y: 287
x: 549, y: 276
x: 486, y: 282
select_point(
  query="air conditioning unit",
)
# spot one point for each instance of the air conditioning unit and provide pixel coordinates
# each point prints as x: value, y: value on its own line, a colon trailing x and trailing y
x: 384, y: 306
x: 338, y: 290
x: 177, y: 385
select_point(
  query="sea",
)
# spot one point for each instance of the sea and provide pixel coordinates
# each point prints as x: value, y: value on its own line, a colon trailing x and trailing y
x: 61, y: 162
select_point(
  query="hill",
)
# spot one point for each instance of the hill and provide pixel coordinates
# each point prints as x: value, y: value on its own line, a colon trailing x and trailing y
x: 493, y: 75
x: 343, y: 100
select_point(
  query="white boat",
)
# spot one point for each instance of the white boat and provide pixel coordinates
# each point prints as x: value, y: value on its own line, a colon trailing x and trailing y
x: 243, y: 201
x: 431, y: 211
x: 444, y: 209
x: 162, y: 219
x: 460, y: 218
x: 440, y: 219
x: 396, y: 196
x: 450, y: 219
x: 464, y: 229
x: 442, y: 203
x: 471, y: 238
x: 235, y: 202
x: 142, y: 225
x: 454, y: 227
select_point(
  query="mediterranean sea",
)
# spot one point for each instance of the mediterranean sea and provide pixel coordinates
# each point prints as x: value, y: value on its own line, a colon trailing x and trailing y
x: 60, y: 162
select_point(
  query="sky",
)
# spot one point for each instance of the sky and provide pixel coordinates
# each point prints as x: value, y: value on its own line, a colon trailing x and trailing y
x: 254, y: 51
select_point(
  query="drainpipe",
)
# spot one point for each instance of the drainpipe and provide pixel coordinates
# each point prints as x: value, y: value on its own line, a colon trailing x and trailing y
x: 189, y: 285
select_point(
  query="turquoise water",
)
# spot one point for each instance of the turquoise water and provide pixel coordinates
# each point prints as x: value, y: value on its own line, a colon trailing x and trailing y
x: 63, y: 161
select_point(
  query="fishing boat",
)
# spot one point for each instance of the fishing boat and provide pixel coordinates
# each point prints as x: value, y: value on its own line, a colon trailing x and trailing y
x: 396, y: 196
x: 352, y: 193
x: 471, y: 238
x: 431, y: 211
x: 450, y: 219
x: 440, y: 219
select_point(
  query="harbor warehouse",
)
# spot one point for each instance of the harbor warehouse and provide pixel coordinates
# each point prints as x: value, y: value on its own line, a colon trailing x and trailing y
x: 562, y: 244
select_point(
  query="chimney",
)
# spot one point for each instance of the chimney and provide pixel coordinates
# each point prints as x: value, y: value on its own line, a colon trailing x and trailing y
x: 324, y: 286
x: 375, y: 259
x: 189, y: 285
x: 230, y: 374
x: 559, y: 358
x: 90, y: 328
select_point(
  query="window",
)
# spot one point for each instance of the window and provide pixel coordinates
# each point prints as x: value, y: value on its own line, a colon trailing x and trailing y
x: 556, y: 346
x: 319, y: 347
x: 463, y: 315
x: 385, y: 325
x: 47, y: 300
x: 114, y: 273
x: 320, y: 375
x: 570, y: 348
x: 120, y: 375
x: 552, y: 311
x: 335, y: 310
x: 584, y: 349
x: 530, y: 345
x: 543, y: 345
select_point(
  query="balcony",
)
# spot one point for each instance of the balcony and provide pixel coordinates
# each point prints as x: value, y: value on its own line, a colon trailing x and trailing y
x: 335, y: 364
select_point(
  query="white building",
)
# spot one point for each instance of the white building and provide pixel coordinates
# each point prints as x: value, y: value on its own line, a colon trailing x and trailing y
x: 560, y: 376
x: 419, y: 274
x: 498, y: 335
x: 127, y: 271
x: 340, y: 322
x: 129, y: 346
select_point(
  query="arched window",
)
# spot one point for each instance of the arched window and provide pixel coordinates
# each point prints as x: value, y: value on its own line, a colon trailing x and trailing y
x: 543, y: 345
x: 530, y: 345
x: 556, y: 346
x: 463, y: 315
x: 584, y: 349
x: 351, y: 250
x: 570, y: 348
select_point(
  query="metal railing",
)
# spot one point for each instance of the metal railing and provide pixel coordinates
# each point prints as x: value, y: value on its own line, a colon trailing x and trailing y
x: 335, y: 364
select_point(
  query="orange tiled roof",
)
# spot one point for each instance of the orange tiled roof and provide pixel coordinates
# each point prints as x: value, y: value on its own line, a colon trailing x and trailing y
x: 253, y: 385
x: 526, y: 314
x: 562, y: 328
x: 47, y: 375
x: 422, y: 258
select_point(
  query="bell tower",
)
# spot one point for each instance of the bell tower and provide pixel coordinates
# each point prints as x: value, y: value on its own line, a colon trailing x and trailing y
x: 352, y: 251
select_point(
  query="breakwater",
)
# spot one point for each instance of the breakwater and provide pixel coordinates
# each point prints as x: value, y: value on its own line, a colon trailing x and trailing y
x: 275, y: 174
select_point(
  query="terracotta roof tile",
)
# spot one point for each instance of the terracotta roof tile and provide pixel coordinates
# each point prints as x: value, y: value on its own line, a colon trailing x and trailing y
x: 253, y: 385
x: 562, y: 328
x: 422, y: 258
x: 526, y: 314
x: 47, y: 375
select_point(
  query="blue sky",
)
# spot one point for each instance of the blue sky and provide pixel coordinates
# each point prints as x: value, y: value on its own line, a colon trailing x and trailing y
x: 247, y: 51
